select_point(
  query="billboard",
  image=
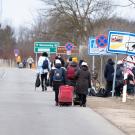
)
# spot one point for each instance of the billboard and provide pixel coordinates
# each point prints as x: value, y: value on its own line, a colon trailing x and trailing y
x: 121, y: 42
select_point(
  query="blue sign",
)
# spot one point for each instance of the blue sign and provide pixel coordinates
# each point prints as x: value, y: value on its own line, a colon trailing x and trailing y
x: 94, y: 49
x: 69, y: 46
x: 101, y: 41
x: 16, y: 52
x: 121, y: 42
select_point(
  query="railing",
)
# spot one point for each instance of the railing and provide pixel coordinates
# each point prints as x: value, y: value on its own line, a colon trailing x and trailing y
x: 7, y: 63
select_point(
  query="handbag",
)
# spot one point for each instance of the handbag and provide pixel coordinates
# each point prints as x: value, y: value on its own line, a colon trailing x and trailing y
x: 48, y: 82
x: 37, y: 83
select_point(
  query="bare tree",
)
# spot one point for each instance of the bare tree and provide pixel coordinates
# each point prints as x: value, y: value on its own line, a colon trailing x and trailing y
x: 132, y: 2
x: 7, y: 42
x: 79, y: 13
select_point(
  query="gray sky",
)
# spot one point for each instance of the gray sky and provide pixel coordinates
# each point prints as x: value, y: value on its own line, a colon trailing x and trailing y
x: 22, y: 12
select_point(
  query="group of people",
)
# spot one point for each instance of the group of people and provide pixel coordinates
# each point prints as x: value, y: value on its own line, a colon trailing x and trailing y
x: 77, y: 74
x: 119, y: 82
x: 59, y: 72
x: 25, y: 62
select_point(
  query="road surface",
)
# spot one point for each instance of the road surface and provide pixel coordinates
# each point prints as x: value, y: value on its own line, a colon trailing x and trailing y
x: 24, y: 111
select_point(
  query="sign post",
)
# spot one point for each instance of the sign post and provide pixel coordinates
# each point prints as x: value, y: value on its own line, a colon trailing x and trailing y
x: 122, y: 43
x: 114, y: 76
x: 69, y: 46
x: 49, y: 47
x: 16, y: 52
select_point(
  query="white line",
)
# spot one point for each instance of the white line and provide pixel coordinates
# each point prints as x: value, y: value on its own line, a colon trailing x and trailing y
x: 2, y: 75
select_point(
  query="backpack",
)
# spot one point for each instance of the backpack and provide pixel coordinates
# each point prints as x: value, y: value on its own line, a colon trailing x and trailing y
x: 45, y: 64
x: 58, y: 74
x: 70, y: 72
x: 101, y: 92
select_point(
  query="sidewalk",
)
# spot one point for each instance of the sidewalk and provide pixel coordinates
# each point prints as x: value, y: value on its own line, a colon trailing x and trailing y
x: 120, y: 114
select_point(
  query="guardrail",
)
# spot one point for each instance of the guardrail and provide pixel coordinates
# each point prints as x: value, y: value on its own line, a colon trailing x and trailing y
x: 7, y: 63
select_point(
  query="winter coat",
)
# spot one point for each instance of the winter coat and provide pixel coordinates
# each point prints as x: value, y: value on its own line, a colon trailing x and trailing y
x: 54, y: 83
x: 40, y: 70
x: 83, y: 80
x: 119, y: 74
x: 119, y: 77
x: 30, y: 60
x: 109, y: 70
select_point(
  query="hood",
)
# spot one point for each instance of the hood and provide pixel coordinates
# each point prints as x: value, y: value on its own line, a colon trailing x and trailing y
x: 110, y: 61
x: 73, y: 64
x: 58, y: 65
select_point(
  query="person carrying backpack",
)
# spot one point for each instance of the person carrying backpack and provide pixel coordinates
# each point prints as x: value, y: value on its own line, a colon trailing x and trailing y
x: 43, y: 68
x: 57, y: 78
x: 71, y: 72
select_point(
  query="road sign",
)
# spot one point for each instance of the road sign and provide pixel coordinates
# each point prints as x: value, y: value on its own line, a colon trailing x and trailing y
x: 62, y: 50
x: 50, y: 47
x: 69, y: 46
x: 16, y: 52
x: 121, y: 42
x: 94, y: 49
x: 101, y: 41
x: 68, y: 52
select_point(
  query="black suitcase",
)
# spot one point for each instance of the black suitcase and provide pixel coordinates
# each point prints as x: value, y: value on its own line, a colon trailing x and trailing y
x: 76, y: 100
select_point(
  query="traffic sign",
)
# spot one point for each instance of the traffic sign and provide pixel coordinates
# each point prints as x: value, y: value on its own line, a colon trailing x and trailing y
x: 69, y: 46
x: 16, y: 52
x: 50, y: 47
x: 121, y: 42
x: 68, y: 52
x: 94, y: 49
x: 62, y: 50
x: 101, y: 41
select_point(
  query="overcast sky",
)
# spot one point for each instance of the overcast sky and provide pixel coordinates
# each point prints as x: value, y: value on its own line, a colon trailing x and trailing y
x: 22, y: 12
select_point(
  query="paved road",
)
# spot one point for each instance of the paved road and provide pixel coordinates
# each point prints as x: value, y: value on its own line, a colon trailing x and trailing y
x: 24, y: 111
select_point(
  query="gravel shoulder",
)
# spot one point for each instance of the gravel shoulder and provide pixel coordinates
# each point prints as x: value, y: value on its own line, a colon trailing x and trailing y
x: 120, y: 114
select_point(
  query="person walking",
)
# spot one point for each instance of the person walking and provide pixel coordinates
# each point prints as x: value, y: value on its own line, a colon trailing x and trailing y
x: 30, y: 61
x: 83, y: 83
x: 108, y: 74
x: 43, y: 68
x: 71, y: 72
x: 57, y: 78
x: 119, y: 78
x: 18, y: 60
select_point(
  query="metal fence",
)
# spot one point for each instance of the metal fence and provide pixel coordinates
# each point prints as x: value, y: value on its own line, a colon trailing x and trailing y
x: 7, y: 63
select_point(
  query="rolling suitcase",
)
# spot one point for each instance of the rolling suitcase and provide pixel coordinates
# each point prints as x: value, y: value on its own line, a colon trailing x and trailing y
x: 76, y: 99
x: 65, y: 96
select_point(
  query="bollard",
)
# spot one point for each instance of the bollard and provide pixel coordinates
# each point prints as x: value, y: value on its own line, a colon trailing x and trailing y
x: 125, y: 87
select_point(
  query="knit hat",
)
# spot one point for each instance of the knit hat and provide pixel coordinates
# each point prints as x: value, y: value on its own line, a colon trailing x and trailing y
x: 74, y: 59
x: 57, y: 61
x: 84, y: 64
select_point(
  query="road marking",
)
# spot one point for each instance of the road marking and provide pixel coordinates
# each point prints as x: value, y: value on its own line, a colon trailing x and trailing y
x: 2, y: 75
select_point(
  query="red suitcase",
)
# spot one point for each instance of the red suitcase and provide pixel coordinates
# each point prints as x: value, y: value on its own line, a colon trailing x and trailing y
x: 65, y: 94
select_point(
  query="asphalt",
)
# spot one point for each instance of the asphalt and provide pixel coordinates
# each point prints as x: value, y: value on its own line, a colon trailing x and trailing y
x: 25, y: 111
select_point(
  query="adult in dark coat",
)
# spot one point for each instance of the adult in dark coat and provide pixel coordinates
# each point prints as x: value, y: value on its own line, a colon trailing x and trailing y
x: 108, y: 74
x: 57, y: 84
x: 83, y: 83
x: 119, y: 79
